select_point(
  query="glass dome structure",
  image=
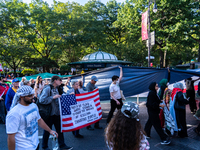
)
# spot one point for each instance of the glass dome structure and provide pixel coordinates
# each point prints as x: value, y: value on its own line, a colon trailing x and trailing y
x: 99, y: 56
x: 98, y: 59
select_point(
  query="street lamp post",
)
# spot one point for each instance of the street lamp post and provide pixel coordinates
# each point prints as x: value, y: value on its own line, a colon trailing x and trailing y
x: 149, y: 30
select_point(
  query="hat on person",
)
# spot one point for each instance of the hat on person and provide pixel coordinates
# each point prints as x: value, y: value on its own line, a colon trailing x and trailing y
x: 94, y: 78
x: 24, y: 90
x: 15, y: 80
x: 130, y: 110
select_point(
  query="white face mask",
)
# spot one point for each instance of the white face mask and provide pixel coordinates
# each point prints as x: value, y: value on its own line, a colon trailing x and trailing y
x: 167, y: 83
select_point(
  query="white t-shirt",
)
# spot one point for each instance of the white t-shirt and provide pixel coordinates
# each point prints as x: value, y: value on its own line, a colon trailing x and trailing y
x: 41, y: 86
x: 115, y: 89
x: 23, y: 120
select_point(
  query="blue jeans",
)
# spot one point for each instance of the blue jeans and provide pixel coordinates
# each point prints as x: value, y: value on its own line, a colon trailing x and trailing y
x: 54, y: 120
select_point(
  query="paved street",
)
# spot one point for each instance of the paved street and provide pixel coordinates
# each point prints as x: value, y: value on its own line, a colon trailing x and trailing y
x: 94, y: 140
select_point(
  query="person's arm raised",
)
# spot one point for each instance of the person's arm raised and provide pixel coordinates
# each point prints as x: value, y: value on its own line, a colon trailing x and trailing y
x: 121, y: 74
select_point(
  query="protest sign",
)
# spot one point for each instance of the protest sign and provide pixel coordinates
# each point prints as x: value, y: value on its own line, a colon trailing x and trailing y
x: 80, y: 110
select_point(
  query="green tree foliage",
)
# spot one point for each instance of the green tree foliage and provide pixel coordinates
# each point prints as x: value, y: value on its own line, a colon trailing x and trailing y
x: 44, y: 36
x: 13, y: 47
x: 39, y: 35
x: 29, y: 71
x: 167, y: 23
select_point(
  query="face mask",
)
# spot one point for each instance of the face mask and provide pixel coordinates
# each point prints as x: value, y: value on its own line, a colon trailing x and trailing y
x: 167, y: 83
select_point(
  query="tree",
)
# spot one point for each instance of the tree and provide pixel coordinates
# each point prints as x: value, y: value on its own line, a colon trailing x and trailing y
x: 13, y: 47
x: 166, y: 23
x: 43, y: 34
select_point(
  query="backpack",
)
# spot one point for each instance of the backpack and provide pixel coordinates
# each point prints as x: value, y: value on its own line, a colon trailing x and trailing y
x: 45, y: 109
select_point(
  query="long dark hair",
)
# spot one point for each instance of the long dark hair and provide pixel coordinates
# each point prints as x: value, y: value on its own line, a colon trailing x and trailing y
x: 124, y: 133
x: 38, y: 81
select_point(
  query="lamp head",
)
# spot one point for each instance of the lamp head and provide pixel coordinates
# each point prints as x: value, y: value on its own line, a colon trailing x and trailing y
x: 155, y: 7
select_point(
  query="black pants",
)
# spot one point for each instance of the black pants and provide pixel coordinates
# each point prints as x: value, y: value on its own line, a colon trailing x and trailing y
x: 192, y: 102
x: 155, y: 122
x: 95, y: 125
x: 198, y: 128
x: 76, y: 132
x: 54, y: 120
x: 181, y: 122
x: 113, y: 107
x: 2, y: 112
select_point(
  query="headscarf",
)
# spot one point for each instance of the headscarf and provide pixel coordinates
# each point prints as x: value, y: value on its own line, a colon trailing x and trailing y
x: 152, y: 86
x: 166, y: 96
x: 24, y: 90
x: 163, y: 82
x: 178, y: 87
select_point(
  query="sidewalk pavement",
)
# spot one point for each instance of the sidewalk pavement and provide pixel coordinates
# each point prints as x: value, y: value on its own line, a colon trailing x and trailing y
x: 94, y: 140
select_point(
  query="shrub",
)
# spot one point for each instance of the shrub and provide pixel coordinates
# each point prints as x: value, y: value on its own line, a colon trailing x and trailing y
x: 29, y: 71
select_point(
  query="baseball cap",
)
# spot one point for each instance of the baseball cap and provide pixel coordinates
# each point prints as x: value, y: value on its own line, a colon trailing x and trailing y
x: 94, y: 78
x: 130, y: 110
x: 15, y: 80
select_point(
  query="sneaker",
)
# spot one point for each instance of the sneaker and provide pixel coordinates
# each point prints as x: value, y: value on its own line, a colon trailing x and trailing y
x: 196, y: 117
x: 66, y: 148
x: 165, y: 142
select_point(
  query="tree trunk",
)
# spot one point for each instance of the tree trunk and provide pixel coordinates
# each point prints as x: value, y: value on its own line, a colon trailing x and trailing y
x: 15, y: 73
x: 164, y: 61
x: 14, y: 68
x: 43, y: 68
x: 161, y: 58
x: 199, y: 53
x: 47, y: 69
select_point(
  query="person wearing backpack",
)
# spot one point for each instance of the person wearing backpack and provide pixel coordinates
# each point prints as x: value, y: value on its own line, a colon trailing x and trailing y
x: 50, y: 95
x: 190, y: 92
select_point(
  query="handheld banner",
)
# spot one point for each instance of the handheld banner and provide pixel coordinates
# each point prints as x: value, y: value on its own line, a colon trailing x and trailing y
x: 80, y: 110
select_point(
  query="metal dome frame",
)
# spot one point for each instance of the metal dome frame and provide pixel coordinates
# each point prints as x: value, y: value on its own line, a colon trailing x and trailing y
x: 96, y: 62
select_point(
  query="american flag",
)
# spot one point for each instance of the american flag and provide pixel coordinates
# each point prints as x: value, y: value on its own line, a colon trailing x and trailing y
x: 68, y: 101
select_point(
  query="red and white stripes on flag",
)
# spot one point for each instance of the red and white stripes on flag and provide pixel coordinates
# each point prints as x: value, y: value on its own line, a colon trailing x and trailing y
x: 80, y: 110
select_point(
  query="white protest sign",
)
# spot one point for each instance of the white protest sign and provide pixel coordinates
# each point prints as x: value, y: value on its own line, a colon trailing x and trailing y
x: 83, y: 113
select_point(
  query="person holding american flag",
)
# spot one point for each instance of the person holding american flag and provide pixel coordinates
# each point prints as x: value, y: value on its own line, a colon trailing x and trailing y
x: 75, y: 90
x: 90, y: 87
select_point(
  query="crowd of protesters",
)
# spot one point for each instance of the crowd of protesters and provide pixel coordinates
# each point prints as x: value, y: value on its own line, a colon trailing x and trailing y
x: 166, y: 112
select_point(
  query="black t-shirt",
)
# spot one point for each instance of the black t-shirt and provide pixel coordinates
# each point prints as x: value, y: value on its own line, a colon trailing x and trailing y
x: 33, y: 85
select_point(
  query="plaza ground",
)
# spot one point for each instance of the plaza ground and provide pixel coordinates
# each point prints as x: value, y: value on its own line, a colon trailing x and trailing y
x: 94, y: 140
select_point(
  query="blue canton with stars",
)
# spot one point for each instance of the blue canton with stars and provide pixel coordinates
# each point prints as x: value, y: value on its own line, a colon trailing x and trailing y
x: 66, y: 101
